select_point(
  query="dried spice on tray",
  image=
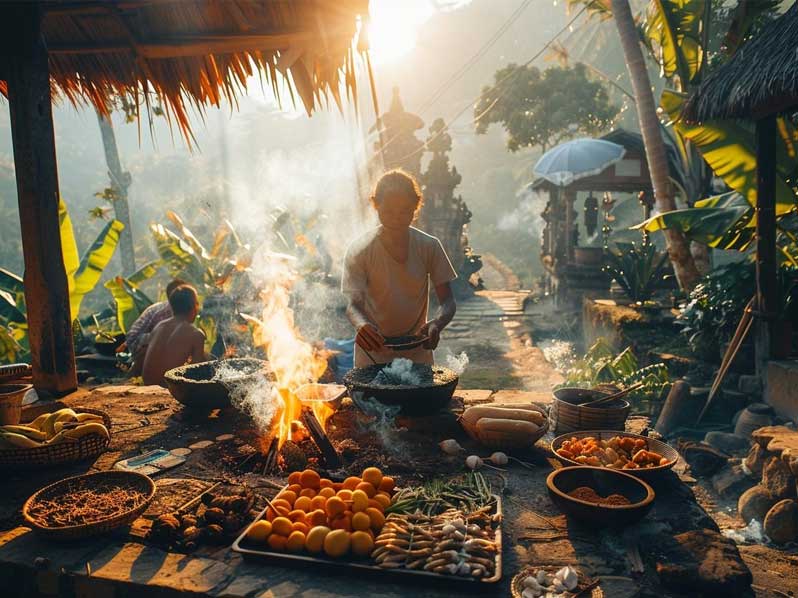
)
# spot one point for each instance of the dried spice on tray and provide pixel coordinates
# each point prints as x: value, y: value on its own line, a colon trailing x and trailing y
x: 82, y: 505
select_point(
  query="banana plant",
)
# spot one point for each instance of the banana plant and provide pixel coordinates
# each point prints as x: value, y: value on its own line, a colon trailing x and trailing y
x: 129, y: 299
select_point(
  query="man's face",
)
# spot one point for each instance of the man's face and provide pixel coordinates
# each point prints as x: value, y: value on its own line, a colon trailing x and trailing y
x: 396, y: 211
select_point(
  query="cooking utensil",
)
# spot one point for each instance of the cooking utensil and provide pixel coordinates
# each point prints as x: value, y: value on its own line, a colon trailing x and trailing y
x: 196, y: 386
x: 612, y: 397
x: 567, y: 414
x: 404, y: 343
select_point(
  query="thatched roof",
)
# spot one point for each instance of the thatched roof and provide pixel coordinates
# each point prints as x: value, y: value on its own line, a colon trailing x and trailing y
x: 196, y: 52
x: 760, y: 79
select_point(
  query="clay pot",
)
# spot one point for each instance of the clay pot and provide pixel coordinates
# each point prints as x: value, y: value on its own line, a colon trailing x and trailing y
x: 756, y: 415
x: 11, y: 402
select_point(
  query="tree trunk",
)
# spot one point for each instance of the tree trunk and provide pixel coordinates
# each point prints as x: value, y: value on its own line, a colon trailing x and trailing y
x: 678, y: 247
x: 701, y: 257
x: 120, y: 181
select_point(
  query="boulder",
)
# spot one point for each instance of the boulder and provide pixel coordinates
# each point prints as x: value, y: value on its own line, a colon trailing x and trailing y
x: 702, y: 562
x: 755, y: 460
x: 781, y: 522
x: 703, y: 459
x: 778, y: 479
x: 732, y: 481
x: 755, y: 503
x: 728, y: 443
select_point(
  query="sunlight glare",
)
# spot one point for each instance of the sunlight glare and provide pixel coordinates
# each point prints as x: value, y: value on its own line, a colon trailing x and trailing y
x: 394, y: 27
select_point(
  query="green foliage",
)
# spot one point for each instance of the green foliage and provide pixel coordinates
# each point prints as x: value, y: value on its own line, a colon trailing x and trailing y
x: 544, y: 108
x: 637, y: 268
x: 601, y: 365
x: 672, y: 32
x: 130, y: 301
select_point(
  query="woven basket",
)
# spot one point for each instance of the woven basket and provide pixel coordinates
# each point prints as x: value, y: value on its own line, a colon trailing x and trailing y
x: 517, y: 587
x: 50, y: 455
x: 131, y: 479
x: 566, y: 415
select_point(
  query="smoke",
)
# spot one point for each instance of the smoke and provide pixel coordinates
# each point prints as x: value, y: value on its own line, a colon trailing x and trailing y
x: 257, y: 398
x: 753, y: 533
x: 457, y: 363
x: 526, y: 216
x: 381, y: 421
x: 398, y: 373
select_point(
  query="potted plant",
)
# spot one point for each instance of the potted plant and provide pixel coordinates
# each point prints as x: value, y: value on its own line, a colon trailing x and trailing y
x: 637, y: 269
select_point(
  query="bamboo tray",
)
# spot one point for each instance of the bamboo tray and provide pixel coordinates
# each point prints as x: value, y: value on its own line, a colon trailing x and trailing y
x: 343, y: 567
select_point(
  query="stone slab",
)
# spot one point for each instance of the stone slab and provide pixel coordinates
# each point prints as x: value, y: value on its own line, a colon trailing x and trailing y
x: 778, y: 440
x: 473, y: 397
x: 118, y: 390
x: 781, y: 388
x: 522, y: 396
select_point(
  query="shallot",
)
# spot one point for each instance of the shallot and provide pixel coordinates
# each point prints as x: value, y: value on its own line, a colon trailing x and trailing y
x: 451, y: 447
x: 498, y: 458
x: 473, y: 462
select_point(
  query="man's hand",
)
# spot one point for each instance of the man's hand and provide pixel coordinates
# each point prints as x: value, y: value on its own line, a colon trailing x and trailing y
x: 433, y: 331
x: 369, y: 338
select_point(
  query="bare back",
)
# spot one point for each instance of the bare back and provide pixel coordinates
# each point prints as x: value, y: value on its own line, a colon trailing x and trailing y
x: 173, y: 343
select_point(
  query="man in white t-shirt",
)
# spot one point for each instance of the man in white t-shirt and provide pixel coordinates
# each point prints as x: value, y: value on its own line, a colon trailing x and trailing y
x: 387, y: 277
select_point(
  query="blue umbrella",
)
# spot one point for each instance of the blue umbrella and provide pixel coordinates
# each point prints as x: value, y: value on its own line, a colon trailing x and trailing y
x: 577, y: 159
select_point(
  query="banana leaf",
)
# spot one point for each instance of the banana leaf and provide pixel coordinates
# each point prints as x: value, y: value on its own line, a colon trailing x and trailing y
x: 188, y: 236
x: 672, y: 32
x: 93, y: 264
x: 179, y: 257
x: 130, y: 301
x: 10, y: 350
x: 146, y: 272
x: 69, y: 247
x: 9, y: 312
x: 11, y: 282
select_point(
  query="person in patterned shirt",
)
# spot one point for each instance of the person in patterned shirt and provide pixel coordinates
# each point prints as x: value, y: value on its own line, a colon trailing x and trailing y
x: 138, y: 337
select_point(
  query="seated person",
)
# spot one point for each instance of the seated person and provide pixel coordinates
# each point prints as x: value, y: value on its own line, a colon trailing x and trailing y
x: 176, y: 341
x: 138, y: 337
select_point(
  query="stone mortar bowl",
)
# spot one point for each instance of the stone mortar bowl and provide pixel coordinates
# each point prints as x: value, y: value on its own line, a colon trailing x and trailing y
x: 199, y: 386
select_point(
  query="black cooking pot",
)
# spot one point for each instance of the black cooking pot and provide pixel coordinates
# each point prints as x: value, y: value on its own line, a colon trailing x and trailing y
x: 435, y: 390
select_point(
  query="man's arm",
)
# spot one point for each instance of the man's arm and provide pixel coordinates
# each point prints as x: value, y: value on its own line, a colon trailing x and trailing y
x: 368, y: 335
x: 448, y: 307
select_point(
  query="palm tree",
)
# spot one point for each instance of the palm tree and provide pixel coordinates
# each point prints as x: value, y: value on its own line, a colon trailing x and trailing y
x: 678, y: 247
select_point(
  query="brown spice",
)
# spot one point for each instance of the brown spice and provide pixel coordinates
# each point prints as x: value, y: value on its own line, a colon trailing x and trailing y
x: 589, y: 495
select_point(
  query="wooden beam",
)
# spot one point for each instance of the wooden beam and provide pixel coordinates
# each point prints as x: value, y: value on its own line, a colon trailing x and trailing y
x: 46, y: 291
x: 766, y: 258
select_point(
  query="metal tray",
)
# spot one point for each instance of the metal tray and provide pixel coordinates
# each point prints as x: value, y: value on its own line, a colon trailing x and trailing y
x: 348, y: 567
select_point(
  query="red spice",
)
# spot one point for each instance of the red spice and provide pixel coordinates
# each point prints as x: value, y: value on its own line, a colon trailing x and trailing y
x: 589, y: 495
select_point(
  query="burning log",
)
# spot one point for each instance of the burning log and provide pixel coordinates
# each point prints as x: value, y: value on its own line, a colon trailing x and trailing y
x: 271, y: 456
x: 328, y: 452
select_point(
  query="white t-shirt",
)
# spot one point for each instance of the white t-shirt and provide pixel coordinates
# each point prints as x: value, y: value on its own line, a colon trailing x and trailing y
x: 397, y: 294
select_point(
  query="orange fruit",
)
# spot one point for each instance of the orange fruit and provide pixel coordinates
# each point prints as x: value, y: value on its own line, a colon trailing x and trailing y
x: 296, y: 515
x: 361, y: 543
x: 300, y: 527
x: 293, y: 477
x: 310, y: 479
x: 360, y: 501
x: 374, y: 504
x: 326, y: 492
x: 288, y: 496
x: 309, y: 492
x: 368, y: 488
x: 341, y: 522
x: 351, y: 483
x: 373, y: 476
x: 361, y: 521
x: 314, y: 541
x: 277, y: 542
x: 325, y: 483
x: 259, y: 531
x: 337, y: 486
x: 281, y: 502
x: 345, y: 495
x: 318, y: 502
x: 282, y: 526
x: 271, y: 514
x: 317, y: 517
x: 295, y: 542
x: 383, y: 499
x: 335, y: 506
x: 337, y: 543
x: 295, y: 488
x: 387, y: 484
x: 376, y: 517
x: 303, y: 503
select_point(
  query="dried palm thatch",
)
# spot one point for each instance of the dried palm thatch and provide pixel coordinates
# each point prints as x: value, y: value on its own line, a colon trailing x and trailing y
x: 197, y: 52
x: 760, y: 79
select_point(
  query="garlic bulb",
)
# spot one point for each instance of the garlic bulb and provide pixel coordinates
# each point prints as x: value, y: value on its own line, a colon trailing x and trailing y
x: 473, y: 462
x: 568, y: 577
x: 451, y: 446
x: 498, y: 458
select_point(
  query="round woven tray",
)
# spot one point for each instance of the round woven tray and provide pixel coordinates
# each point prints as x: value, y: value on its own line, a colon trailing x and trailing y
x: 517, y: 588
x: 50, y: 455
x: 129, y: 479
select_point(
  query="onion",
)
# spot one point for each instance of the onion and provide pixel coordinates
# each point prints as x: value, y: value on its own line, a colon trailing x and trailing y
x: 498, y: 458
x: 451, y: 446
x: 473, y: 462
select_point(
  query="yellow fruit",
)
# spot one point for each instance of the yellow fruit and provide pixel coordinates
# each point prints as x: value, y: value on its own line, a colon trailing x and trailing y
x: 309, y: 479
x: 89, y: 417
x: 327, y: 492
x: 86, y: 429
x: 351, y: 483
x: 314, y: 541
x: 296, y: 542
x: 303, y: 503
x: 361, y: 543
x: 295, y: 488
x: 293, y: 477
x: 368, y: 488
x: 277, y: 542
x: 260, y: 531
x: 39, y: 421
x: 345, y: 495
x: 360, y: 501
x: 318, y: 502
x: 317, y: 517
x: 376, y: 517
x: 279, y: 503
x: 383, y: 499
x: 29, y: 431
x: 373, y: 476
x: 361, y: 521
x: 19, y: 440
x: 300, y: 527
x: 288, y: 496
x: 325, y: 483
x: 297, y: 515
x: 387, y: 484
x: 282, y: 526
x: 335, y: 506
x: 336, y: 543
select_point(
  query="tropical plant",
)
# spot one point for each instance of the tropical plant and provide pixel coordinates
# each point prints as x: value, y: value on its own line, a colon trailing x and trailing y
x: 130, y: 301
x: 541, y: 109
x: 636, y: 268
x: 602, y: 365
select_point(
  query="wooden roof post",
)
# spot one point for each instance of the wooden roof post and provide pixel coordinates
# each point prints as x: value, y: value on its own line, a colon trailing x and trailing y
x: 46, y: 291
x: 766, y: 259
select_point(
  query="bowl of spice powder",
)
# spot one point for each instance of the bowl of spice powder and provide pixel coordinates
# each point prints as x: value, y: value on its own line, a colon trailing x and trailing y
x: 599, y: 496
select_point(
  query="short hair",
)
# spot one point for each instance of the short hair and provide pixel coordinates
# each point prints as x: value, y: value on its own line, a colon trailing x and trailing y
x: 177, y: 282
x: 397, y: 181
x: 182, y: 300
